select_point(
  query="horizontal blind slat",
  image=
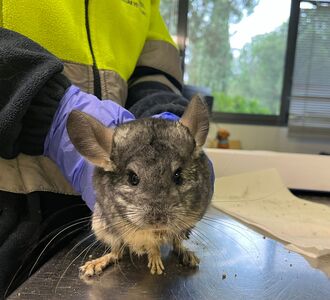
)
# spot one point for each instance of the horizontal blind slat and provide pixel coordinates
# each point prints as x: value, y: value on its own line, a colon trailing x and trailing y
x: 310, y: 95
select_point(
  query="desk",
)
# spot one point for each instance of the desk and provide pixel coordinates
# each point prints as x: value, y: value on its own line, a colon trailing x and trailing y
x: 236, y: 263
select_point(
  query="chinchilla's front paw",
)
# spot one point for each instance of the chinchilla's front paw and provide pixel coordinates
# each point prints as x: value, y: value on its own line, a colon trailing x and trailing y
x: 189, y: 258
x: 96, y: 266
x: 155, y: 264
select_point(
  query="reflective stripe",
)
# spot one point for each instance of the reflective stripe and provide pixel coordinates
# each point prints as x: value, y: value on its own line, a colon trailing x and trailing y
x: 64, y: 34
x: 26, y: 174
x: 158, y: 78
x: 113, y: 86
x: 162, y: 56
x: 118, y: 29
x: 80, y: 75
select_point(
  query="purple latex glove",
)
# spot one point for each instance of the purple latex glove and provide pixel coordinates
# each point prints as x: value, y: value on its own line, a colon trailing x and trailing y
x: 59, y: 148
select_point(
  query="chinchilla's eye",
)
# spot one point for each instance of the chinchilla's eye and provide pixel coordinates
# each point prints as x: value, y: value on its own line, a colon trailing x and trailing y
x: 177, y: 177
x: 133, y: 179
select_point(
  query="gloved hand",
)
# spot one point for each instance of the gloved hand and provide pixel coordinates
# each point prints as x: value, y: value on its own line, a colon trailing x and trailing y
x: 59, y: 148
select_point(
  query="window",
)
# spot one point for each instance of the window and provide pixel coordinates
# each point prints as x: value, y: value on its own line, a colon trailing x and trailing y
x: 237, y: 49
x: 310, y: 95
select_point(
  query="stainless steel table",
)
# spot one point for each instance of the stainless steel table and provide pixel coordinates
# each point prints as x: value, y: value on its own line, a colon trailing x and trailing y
x: 236, y: 263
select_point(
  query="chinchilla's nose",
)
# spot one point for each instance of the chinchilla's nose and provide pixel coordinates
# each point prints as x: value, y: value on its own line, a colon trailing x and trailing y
x: 157, y: 216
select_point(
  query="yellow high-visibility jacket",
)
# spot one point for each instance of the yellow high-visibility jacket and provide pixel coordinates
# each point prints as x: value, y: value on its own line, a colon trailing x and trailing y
x: 107, y: 46
x: 101, y: 42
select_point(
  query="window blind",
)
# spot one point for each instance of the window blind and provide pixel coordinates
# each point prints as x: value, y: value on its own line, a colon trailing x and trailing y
x: 310, y: 95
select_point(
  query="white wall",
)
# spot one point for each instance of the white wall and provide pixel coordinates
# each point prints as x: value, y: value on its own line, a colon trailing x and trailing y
x: 255, y: 137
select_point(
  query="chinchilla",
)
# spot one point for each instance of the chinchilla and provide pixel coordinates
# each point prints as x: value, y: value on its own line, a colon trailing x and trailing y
x: 152, y: 182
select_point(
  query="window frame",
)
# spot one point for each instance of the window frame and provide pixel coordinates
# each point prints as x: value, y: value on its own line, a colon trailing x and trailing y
x: 252, y: 119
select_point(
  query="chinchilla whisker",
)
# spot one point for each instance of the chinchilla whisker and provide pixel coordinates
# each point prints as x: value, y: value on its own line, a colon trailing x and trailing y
x: 66, y: 269
x: 227, y: 224
x: 79, y: 243
x: 60, y: 211
x: 129, y: 230
x: 238, y: 225
x: 189, y: 214
x: 117, y: 264
x: 201, y: 235
x: 137, y: 223
x: 122, y: 225
x: 118, y: 224
x: 104, y: 217
x: 98, y: 245
x: 39, y: 242
x: 234, y: 240
x: 177, y: 229
x: 200, y: 239
x: 203, y: 238
x: 131, y: 258
x: 175, y: 233
x: 122, y: 247
x: 230, y: 226
x: 206, y: 242
x: 48, y: 244
x: 126, y: 213
x: 84, y: 239
x: 67, y: 226
x: 106, y: 250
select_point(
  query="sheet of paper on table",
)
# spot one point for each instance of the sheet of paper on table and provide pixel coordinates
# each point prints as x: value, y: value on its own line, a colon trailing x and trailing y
x: 261, y: 199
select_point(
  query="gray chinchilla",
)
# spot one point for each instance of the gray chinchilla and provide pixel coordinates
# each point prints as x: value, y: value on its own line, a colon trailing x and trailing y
x: 152, y: 183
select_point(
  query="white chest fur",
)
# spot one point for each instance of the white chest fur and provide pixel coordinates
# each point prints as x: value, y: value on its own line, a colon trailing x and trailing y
x: 138, y: 241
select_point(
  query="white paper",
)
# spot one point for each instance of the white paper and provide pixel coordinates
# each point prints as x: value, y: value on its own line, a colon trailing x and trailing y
x: 262, y: 200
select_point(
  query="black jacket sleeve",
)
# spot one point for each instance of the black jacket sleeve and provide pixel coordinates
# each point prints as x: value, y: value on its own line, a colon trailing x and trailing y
x: 149, y: 98
x: 31, y: 86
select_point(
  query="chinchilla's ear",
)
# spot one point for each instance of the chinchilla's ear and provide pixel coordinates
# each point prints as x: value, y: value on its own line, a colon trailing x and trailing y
x: 91, y: 139
x: 196, y: 119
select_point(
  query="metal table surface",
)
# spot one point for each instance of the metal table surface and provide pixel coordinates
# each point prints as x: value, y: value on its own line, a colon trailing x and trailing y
x: 236, y: 263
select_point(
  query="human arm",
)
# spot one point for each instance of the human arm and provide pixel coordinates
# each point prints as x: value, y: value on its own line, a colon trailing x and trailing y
x: 156, y: 83
x: 31, y: 87
x: 35, y: 100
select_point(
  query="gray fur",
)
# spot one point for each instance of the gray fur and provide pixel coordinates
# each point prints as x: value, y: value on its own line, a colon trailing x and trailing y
x: 154, y: 149
x: 156, y: 209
